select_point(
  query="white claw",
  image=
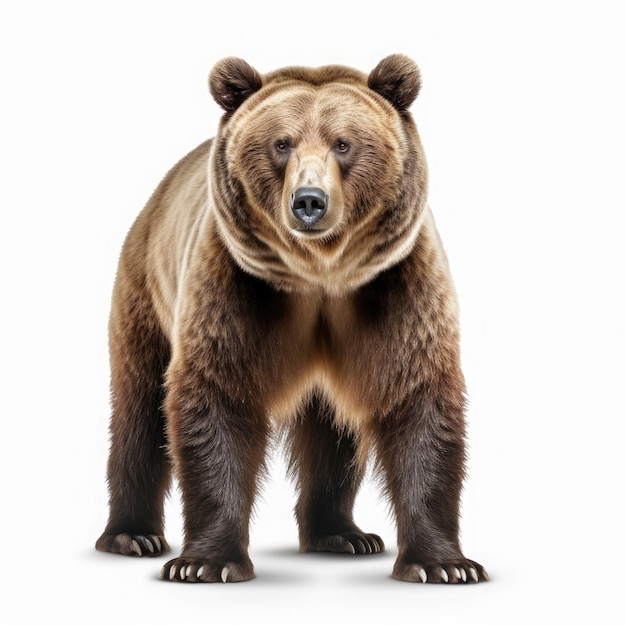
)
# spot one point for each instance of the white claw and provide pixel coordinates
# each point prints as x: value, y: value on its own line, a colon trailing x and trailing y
x: 463, y: 575
x: 162, y: 574
x: 188, y: 571
x: 172, y: 572
x: 200, y: 571
x: 224, y: 574
x: 150, y: 546
x: 474, y: 574
x: 421, y: 572
x: 136, y: 547
x: 182, y: 573
x: 444, y: 575
x: 457, y: 573
x: 157, y: 542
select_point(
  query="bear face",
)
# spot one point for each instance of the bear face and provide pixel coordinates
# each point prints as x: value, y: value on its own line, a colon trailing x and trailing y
x: 311, y: 165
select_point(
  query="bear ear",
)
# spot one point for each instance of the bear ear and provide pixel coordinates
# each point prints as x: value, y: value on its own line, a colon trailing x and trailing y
x: 397, y: 79
x: 232, y: 81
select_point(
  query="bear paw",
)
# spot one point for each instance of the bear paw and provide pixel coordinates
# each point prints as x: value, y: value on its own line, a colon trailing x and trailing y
x: 455, y: 571
x: 192, y: 570
x: 132, y: 545
x: 349, y: 543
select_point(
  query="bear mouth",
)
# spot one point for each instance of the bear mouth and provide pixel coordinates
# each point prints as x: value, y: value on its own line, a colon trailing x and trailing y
x: 309, y: 230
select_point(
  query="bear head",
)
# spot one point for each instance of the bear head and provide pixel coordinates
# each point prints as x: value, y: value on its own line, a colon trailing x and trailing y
x: 317, y: 175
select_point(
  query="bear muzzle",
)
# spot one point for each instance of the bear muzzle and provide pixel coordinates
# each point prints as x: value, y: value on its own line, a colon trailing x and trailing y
x: 309, y: 205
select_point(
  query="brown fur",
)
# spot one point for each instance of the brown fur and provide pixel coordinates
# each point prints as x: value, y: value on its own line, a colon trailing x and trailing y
x: 341, y: 331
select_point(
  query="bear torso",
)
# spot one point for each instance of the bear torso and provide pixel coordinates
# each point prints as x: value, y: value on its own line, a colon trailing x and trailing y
x: 311, y: 337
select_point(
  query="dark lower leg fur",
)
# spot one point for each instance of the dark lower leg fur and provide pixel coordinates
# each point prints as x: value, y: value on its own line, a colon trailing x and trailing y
x: 422, y: 452
x: 219, y: 451
x: 138, y: 467
x: 324, y: 462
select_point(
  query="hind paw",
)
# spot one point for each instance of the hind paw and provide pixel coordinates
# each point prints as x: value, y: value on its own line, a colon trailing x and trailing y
x: 132, y: 545
x: 356, y: 542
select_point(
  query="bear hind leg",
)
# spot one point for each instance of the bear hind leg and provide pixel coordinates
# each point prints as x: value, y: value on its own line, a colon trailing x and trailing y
x: 138, y: 468
x: 324, y: 461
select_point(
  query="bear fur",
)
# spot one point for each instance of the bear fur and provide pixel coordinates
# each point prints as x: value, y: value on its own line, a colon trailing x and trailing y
x: 288, y: 276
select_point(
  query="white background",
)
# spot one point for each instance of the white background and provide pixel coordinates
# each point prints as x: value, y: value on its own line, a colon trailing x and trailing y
x: 522, y: 117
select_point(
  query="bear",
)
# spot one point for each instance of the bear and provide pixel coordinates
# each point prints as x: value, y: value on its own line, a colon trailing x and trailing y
x: 286, y: 280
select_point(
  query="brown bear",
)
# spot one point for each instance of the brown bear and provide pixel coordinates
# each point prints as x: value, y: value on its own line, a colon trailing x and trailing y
x: 287, y: 277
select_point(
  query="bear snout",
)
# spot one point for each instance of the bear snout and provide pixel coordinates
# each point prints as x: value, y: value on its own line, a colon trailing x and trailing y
x: 309, y: 205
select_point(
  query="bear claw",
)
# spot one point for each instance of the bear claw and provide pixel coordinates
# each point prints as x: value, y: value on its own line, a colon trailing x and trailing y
x: 224, y: 574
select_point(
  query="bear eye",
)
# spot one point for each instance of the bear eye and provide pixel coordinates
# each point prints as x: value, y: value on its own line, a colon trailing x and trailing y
x: 342, y: 146
x: 282, y: 146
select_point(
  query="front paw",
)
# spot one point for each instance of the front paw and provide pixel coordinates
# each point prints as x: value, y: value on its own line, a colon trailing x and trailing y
x: 192, y: 570
x: 452, y: 571
x: 132, y: 545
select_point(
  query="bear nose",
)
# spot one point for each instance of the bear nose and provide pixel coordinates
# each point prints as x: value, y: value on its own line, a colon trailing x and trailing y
x: 309, y: 204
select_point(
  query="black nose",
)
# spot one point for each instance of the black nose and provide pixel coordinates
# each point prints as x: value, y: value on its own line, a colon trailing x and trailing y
x: 309, y: 204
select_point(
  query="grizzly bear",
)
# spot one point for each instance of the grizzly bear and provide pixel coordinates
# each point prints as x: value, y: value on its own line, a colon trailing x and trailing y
x: 287, y: 278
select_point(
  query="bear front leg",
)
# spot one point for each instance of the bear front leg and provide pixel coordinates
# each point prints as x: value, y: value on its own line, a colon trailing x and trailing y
x: 218, y: 451
x: 324, y: 462
x: 422, y: 451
